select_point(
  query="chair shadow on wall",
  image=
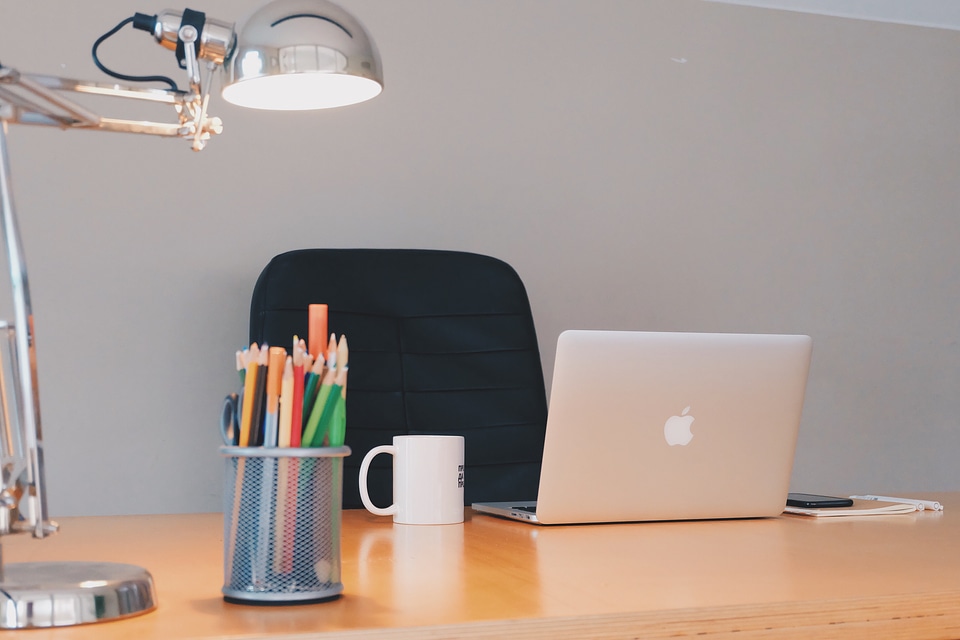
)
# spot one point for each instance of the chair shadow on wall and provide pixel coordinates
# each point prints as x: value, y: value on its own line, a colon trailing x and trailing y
x: 441, y: 342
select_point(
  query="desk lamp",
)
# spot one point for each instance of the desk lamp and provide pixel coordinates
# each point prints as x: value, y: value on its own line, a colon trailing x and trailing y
x: 289, y: 55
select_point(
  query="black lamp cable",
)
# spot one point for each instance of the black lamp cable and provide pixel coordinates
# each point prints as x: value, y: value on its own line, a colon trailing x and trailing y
x: 121, y: 76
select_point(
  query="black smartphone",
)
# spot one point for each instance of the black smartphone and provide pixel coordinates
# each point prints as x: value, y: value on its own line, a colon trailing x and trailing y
x: 812, y: 501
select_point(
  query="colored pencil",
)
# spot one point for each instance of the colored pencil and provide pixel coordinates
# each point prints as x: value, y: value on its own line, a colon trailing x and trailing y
x: 296, y: 419
x: 296, y: 431
x: 338, y: 421
x: 276, y: 356
x: 282, y: 519
x: 251, y: 361
x: 259, y: 398
x: 311, y: 387
x: 251, y: 358
x: 337, y: 428
x: 316, y: 328
x: 271, y: 422
x: 307, y: 357
x: 241, y: 365
x: 286, y: 404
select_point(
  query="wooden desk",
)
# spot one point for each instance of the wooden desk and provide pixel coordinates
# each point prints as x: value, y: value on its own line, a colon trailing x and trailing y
x: 871, y: 577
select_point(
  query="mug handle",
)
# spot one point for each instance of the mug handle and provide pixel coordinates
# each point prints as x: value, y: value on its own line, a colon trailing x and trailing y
x: 364, y: 493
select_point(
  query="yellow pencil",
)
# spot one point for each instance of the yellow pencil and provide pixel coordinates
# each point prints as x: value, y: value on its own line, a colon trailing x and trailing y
x: 283, y: 471
x: 286, y: 404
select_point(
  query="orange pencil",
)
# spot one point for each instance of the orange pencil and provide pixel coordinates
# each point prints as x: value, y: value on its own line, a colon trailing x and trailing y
x: 317, y: 328
x: 271, y: 423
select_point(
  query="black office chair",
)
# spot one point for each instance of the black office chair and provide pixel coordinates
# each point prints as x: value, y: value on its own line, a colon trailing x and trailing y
x: 440, y: 342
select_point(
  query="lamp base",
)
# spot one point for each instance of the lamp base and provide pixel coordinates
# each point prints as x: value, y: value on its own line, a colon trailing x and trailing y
x: 62, y: 594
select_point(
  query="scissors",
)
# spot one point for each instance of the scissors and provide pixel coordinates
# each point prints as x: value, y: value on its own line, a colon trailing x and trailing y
x: 230, y: 419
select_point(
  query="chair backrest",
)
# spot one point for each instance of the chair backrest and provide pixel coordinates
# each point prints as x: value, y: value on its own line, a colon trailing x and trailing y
x: 440, y: 342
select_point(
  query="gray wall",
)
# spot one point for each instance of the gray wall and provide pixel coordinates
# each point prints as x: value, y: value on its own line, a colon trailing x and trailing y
x: 656, y: 164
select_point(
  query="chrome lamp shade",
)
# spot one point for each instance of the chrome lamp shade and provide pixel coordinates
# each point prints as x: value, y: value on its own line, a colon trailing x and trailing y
x: 295, y: 55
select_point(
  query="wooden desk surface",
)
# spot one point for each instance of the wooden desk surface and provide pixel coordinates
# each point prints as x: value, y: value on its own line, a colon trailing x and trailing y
x: 871, y: 577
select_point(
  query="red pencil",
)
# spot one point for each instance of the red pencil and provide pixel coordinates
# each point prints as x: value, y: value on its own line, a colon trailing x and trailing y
x: 296, y: 422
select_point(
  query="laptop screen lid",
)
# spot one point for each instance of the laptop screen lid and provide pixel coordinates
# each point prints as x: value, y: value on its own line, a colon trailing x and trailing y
x: 671, y: 426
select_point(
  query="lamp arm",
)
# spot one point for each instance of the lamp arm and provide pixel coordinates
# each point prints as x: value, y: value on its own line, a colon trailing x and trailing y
x: 39, y: 100
x: 23, y: 487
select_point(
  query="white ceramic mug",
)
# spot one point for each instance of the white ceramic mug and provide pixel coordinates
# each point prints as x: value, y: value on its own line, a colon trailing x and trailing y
x: 427, y: 480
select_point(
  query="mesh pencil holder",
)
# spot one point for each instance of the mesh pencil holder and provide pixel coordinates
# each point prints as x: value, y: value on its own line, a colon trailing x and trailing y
x: 281, y: 525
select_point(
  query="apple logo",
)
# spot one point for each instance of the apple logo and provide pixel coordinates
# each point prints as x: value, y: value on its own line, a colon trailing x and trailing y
x: 677, y: 429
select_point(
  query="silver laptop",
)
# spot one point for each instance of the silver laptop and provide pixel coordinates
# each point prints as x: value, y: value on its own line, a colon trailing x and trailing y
x: 668, y: 426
